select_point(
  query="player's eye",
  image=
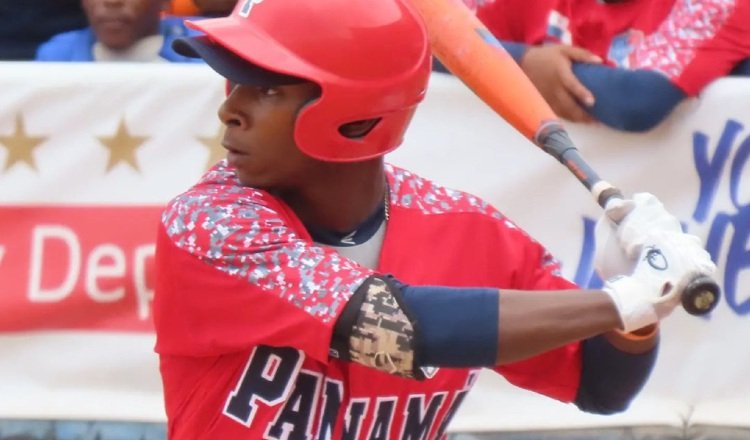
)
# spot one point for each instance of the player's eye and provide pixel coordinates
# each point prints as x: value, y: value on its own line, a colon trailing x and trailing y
x: 267, y: 91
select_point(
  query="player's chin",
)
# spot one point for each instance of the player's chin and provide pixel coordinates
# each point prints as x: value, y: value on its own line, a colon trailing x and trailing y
x: 253, y: 179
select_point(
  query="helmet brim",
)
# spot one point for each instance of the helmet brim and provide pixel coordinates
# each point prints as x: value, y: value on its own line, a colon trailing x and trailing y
x: 229, y: 65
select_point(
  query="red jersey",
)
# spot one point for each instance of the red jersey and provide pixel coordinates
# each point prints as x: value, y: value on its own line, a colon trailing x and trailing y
x: 520, y: 21
x: 245, y: 305
x: 692, y: 42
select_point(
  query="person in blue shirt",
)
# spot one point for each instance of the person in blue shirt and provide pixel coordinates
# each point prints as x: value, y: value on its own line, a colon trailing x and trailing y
x: 24, y: 25
x: 120, y: 30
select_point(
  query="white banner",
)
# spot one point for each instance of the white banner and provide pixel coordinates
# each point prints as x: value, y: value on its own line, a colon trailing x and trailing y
x: 89, y: 153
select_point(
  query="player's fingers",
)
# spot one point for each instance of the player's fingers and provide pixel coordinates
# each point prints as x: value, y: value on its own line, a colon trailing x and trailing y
x: 580, y: 55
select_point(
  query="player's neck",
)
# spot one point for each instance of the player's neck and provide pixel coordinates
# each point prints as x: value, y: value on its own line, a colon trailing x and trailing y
x: 344, y: 199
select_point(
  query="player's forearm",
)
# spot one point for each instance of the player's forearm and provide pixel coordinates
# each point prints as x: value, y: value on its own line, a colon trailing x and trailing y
x: 463, y: 327
x: 531, y: 323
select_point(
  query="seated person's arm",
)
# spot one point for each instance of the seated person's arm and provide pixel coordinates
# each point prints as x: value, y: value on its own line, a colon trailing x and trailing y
x: 516, y: 50
x: 632, y: 100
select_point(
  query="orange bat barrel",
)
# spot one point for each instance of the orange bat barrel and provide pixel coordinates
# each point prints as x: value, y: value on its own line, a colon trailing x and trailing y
x: 478, y: 59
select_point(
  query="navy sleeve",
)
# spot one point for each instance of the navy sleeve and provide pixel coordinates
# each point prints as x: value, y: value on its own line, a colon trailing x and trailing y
x: 516, y: 50
x: 631, y: 100
x: 742, y: 69
x: 611, y: 378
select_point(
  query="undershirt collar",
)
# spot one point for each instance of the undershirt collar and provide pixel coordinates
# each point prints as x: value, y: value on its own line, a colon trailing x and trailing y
x: 364, y: 232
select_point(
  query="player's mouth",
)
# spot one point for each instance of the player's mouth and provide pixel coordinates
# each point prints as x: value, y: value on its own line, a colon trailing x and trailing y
x: 113, y: 23
x: 234, y: 156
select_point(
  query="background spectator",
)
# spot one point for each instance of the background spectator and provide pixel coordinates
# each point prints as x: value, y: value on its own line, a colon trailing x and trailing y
x: 120, y: 30
x: 655, y: 52
x: 516, y: 20
x: 24, y: 25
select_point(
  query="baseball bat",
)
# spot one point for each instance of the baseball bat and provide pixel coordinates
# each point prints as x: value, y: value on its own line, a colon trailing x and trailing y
x: 467, y: 48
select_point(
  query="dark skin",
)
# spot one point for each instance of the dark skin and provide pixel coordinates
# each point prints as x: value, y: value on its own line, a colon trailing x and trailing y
x: 549, y: 67
x: 118, y: 24
x: 339, y: 196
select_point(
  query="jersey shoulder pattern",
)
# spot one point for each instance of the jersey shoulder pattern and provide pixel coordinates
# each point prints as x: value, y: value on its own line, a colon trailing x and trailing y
x: 408, y: 190
x: 674, y: 44
x: 249, y: 234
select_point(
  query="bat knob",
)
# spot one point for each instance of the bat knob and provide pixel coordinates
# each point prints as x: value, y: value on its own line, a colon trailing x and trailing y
x: 701, y: 295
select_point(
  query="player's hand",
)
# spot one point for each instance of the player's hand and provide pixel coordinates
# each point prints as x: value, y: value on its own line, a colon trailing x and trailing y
x: 668, y: 261
x: 621, y: 230
x: 550, y: 69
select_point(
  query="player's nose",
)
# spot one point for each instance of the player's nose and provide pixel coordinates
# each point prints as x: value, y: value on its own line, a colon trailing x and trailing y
x: 230, y: 114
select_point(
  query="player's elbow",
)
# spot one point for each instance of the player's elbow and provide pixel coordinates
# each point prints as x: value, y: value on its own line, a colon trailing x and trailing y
x: 611, y: 378
x: 602, y: 405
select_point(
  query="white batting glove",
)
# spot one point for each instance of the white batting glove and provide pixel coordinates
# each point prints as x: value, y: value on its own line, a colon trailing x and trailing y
x: 667, y: 263
x: 622, y: 229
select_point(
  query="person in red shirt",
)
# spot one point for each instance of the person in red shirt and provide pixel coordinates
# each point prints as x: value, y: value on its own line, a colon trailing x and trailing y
x: 307, y: 289
x: 520, y: 21
x: 626, y: 63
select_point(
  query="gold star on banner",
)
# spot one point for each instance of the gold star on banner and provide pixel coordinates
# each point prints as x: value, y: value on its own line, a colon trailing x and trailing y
x: 122, y: 146
x: 20, y: 146
x: 215, y: 151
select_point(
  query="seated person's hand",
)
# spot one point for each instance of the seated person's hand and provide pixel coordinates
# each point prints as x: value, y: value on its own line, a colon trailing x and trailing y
x: 550, y: 69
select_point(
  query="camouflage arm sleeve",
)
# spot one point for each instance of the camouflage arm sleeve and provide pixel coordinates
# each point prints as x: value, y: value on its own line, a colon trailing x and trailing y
x: 376, y: 330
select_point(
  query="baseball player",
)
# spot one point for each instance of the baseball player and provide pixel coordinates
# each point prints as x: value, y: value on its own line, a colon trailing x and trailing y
x: 307, y: 290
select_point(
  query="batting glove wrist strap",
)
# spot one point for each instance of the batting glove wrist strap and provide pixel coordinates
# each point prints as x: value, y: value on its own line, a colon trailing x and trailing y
x: 636, y: 309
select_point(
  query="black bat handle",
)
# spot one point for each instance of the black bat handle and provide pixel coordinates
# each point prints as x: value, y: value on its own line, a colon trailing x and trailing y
x: 702, y: 294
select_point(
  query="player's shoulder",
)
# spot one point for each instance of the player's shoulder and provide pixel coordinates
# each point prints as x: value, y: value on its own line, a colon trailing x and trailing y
x: 220, y: 186
x: 409, y: 190
x: 219, y: 198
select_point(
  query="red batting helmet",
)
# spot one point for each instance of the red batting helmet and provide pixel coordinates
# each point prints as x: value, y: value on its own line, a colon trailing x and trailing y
x: 371, y: 59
